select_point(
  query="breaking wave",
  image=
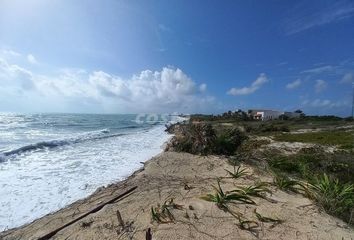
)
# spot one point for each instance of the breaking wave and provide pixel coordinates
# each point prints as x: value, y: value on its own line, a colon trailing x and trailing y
x: 90, y: 136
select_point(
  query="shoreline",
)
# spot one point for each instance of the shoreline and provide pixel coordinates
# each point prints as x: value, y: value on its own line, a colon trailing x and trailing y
x: 74, y: 177
x: 124, y: 178
x: 184, y: 178
x: 98, y: 191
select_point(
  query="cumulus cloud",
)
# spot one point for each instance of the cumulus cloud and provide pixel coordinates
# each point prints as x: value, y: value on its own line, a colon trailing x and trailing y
x: 169, y: 86
x: 294, y: 84
x: 167, y: 90
x: 347, y: 78
x: 31, y: 59
x: 262, y: 79
x: 320, y: 85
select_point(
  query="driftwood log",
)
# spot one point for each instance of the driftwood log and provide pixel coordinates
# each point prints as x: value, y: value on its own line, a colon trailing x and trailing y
x: 96, y: 209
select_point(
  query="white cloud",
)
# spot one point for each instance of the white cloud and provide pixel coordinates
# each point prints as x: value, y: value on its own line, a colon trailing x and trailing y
x: 282, y: 63
x: 12, y: 53
x: 347, y: 78
x: 202, y: 87
x: 320, y: 85
x: 304, y: 16
x: 14, y: 76
x: 319, y: 69
x: 324, y: 103
x: 31, y: 59
x: 167, y: 90
x: 321, y: 103
x: 294, y: 84
x: 70, y: 83
x: 262, y: 79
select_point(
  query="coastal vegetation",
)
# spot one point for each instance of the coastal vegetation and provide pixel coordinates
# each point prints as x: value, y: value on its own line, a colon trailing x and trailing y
x: 322, y: 169
x: 342, y: 138
x: 327, y: 178
x: 228, y: 200
x: 335, y: 197
x: 204, y: 139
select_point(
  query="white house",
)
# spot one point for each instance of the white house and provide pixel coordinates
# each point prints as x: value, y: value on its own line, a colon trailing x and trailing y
x: 264, y: 115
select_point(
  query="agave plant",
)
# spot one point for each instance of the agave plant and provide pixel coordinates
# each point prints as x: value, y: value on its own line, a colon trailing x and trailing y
x: 222, y: 198
x: 257, y: 190
x: 238, y: 173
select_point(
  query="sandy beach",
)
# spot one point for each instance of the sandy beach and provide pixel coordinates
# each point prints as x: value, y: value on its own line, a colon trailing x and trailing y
x: 168, y: 120
x: 185, y: 178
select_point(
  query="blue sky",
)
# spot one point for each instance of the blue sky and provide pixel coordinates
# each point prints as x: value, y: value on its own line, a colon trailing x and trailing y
x: 165, y: 56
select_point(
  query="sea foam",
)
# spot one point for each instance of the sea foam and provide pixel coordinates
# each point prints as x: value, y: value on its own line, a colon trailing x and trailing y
x: 68, y: 164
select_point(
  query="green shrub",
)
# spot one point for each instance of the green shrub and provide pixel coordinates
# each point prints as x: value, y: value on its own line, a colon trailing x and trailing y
x: 194, y: 138
x: 269, y: 127
x: 284, y: 129
x: 202, y: 139
x: 284, y: 164
x: 228, y: 141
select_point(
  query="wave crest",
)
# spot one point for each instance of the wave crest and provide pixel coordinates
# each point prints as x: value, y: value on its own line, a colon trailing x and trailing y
x: 90, y: 136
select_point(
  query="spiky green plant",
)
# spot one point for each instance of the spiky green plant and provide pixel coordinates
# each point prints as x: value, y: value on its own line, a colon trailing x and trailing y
x: 238, y: 172
x: 257, y: 190
x: 333, y: 196
x: 287, y: 184
x: 222, y: 198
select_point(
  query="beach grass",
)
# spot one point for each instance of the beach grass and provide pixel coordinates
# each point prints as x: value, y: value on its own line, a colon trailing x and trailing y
x: 335, y: 197
x: 342, y: 139
x: 285, y: 183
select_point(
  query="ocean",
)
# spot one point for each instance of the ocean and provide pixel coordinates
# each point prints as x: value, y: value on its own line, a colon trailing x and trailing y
x: 48, y: 161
